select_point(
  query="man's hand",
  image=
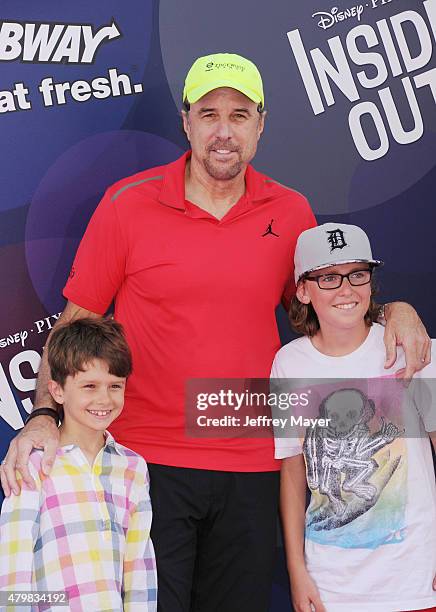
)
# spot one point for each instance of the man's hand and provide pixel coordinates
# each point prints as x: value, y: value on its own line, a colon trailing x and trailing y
x: 305, y: 595
x: 40, y: 432
x: 405, y: 328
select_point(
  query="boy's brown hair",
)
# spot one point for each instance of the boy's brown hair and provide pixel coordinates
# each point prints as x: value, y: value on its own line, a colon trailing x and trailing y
x: 304, y: 319
x: 73, y: 345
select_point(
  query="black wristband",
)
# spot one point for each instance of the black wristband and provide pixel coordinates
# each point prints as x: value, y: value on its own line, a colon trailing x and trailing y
x: 44, y: 412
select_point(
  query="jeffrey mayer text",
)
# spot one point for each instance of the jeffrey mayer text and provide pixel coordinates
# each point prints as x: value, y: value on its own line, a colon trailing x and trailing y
x: 292, y: 421
x: 261, y: 421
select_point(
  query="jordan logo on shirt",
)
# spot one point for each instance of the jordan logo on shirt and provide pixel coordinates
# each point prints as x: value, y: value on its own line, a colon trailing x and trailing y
x: 336, y: 240
x: 269, y: 230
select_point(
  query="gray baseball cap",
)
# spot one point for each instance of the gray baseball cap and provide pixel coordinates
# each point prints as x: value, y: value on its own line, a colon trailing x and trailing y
x: 331, y: 244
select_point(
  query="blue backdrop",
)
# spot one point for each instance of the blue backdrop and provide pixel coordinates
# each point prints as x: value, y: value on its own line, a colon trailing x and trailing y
x: 90, y: 92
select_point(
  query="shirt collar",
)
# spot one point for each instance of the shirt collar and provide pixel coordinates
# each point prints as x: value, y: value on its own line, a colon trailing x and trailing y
x: 259, y: 187
x: 109, y: 442
x: 172, y: 193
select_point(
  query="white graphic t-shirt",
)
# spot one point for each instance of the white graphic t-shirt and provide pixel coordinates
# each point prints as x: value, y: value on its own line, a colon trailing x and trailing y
x: 370, y: 533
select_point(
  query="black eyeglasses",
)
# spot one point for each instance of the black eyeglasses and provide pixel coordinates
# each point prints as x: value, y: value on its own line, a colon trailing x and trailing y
x: 334, y: 281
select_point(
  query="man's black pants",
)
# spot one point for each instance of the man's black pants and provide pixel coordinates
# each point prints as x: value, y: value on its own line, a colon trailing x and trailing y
x: 214, y: 534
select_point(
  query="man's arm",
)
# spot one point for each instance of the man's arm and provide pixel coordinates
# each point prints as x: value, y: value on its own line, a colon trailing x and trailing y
x: 292, y: 508
x: 41, y: 431
x: 405, y: 328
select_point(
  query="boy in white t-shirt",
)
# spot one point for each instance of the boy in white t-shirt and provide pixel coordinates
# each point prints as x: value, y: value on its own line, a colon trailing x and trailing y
x: 367, y: 542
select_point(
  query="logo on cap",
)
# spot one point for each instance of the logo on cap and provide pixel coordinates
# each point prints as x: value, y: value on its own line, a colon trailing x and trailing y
x: 336, y: 239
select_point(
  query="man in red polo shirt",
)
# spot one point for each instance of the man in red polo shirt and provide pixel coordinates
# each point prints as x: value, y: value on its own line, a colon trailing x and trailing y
x: 197, y: 254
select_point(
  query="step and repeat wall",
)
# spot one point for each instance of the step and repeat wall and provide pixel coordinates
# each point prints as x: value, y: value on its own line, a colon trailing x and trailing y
x: 90, y: 92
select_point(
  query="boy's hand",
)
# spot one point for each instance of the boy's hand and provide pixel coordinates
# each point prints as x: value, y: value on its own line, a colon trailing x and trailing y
x: 305, y: 594
x: 405, y: 328
x: 40, y: 432
x: 434, y: 583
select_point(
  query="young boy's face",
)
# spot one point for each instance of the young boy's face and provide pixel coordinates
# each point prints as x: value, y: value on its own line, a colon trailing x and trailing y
x: 341, y: 308
x: 92, y: 398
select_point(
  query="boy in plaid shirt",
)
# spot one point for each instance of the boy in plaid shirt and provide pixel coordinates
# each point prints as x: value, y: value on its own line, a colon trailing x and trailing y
x: 85, y: 529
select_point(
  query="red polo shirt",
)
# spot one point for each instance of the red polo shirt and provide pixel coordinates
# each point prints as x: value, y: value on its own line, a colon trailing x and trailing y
x: 197, y: 298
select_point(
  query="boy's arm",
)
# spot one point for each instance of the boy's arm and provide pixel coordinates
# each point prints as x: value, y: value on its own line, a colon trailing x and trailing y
x: 19, y: 526
x: 292, y: 508
x: 432, y: 435
x: 139, y: 573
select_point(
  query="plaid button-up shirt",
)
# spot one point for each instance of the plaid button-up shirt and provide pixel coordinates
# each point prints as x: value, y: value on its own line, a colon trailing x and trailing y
x: 84, y: 530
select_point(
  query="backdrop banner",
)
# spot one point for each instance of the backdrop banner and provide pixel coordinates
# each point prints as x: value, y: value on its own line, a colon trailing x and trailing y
x: 90, y: 92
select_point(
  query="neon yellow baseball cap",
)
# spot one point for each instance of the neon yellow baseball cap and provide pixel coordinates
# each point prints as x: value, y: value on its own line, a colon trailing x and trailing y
x: 223, y: 70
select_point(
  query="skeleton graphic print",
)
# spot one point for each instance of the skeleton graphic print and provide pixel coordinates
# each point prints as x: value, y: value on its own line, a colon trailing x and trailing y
x: 340, y: 458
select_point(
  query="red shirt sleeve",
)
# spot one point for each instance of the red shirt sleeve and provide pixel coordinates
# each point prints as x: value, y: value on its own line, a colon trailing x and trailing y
x: 98, y: 269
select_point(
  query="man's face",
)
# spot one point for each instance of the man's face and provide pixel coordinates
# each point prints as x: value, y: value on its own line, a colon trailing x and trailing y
x: 223, y: 128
